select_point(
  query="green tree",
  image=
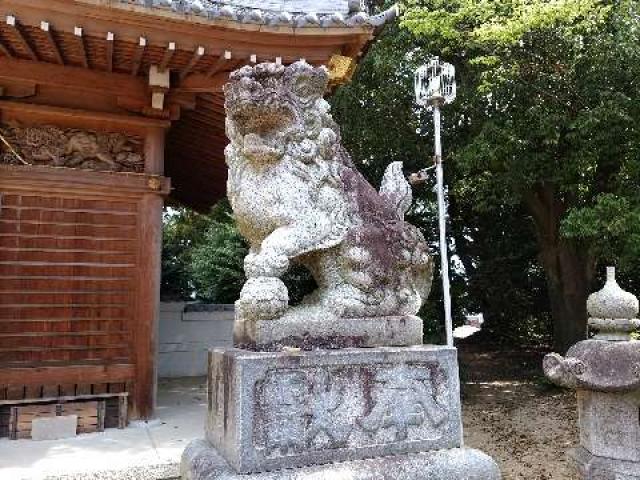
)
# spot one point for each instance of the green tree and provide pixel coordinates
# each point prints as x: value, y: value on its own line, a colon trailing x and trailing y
x: 546, y: 121
x: 496, y: 271
x: 183, y: 229
x: 217, y: 263
x: 203, y: 258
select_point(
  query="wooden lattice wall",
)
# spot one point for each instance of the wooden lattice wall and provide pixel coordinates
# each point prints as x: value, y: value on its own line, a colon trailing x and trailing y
x: 79, y: 280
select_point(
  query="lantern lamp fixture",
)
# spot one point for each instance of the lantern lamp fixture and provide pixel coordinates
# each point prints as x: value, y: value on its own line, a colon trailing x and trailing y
x: 435, y: 83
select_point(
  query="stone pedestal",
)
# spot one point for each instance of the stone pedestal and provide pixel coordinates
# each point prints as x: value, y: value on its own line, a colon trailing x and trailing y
x: 384, y: 413
x: 202, y: 462
x: 308, y: 328
x: 592, y: 467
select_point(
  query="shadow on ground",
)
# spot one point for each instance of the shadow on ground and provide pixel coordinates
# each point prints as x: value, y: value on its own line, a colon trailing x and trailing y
x: 514, y: 415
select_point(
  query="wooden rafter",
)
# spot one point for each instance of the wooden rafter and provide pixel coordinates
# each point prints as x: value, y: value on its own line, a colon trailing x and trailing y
x: 168, y: 56
x: 224, y: 58
x: 5, y: 50
x: 137, y: 57
x: 197, y: 55
x: 78, y: 33
x: 22, y: 38
x: 109, y: 51
x: 53, y: 44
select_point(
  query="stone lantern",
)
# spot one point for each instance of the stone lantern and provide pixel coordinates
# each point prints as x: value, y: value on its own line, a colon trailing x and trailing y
x: 605, y: 372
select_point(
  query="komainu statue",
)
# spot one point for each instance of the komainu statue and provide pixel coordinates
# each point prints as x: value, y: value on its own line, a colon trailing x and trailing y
x: 298, y: 198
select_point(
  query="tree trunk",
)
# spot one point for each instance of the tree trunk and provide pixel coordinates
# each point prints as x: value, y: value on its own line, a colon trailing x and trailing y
x: 568, y: 269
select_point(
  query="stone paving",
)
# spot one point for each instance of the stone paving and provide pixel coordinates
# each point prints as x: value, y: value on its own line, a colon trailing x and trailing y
x: 141, y: 452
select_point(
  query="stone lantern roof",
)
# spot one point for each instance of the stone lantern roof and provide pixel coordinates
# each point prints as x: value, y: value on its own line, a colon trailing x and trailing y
x: 610, y: 362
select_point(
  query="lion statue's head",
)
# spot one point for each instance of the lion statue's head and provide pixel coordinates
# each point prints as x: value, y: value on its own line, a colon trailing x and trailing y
x: 271, y: 108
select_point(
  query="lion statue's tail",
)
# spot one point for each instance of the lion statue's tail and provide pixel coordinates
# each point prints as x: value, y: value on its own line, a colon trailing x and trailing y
x: 396, y: 190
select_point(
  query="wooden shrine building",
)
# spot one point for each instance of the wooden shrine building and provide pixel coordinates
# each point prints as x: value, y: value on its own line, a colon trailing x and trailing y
x: 108, y: 107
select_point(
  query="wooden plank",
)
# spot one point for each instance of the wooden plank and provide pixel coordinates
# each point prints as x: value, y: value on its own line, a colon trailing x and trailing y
x: 58, y: 399
x: 63, y: 326
x: 44, y: 357
x: 65, y: 257
x: 67, y: 374
x: 76, y: 202
x: 65, y: 243
x: 61, y: 229
x: 70, y: 285
x: 66, y: 297
x: 62, y: 216
x: 61, y: 348
x: 70, y: 271
x: 67, y: 342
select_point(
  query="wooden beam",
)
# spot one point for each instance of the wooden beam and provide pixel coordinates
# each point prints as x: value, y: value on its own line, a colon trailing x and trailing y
x: 72, y: 78
x: 67, y: 374
x: 224, y: 58
x: 77, y: 32
x: 27, y: 178
x: 154, y: 151
x: 168, y: 56
x: 197, y: 55
x: 137, y: 57
x: 19, y: 31
x: 46, y: 28
x: 71, y: 118
x: 109, y: 51
x: 199, y: 83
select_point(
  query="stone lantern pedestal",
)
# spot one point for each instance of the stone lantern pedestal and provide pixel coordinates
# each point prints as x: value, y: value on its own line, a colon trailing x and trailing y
x: 605, y: 372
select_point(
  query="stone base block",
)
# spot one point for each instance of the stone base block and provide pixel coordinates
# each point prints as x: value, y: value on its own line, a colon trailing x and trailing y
x: 311, y: 330
x: 200, y: 461
x: 591, y: 467
x: 269, y: 411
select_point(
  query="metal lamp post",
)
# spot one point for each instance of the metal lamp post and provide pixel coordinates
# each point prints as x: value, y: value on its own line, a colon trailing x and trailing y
x: 435, y: 86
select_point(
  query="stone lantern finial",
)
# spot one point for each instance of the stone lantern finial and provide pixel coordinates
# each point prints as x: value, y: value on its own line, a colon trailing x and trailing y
x: 612, y: 311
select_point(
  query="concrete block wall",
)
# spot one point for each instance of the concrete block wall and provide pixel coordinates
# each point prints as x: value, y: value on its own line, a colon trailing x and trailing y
x: 186, y: 332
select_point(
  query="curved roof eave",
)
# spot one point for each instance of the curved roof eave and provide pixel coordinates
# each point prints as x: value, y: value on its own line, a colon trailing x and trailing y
x: 245, y: 17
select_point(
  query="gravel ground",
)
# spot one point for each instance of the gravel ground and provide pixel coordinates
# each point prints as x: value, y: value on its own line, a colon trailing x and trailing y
x: 510, y: 413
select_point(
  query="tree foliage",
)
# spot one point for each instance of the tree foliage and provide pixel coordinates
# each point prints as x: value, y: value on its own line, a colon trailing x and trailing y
x: 203, y: 258
x: 547, y: 120
x: 541, y: 145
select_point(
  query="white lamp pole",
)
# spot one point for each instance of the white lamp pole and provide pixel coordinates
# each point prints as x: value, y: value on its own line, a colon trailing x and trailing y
x: 435, y: 86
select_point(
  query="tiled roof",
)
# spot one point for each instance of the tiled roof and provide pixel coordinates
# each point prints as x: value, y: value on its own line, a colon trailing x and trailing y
x: 292, y: 13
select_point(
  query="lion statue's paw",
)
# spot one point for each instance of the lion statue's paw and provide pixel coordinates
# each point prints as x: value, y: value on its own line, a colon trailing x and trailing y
x: 265, y: 265
x: 263, y: 298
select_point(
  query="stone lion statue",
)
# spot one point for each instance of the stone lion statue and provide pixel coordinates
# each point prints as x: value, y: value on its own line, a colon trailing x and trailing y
x: 298, y: 198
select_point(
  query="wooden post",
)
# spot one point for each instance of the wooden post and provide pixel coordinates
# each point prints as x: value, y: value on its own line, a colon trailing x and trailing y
x: 154, y: 151
x: 148, y: 302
